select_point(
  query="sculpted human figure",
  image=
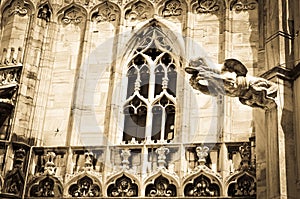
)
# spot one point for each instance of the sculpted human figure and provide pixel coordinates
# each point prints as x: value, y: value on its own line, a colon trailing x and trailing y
x: 232, y: 80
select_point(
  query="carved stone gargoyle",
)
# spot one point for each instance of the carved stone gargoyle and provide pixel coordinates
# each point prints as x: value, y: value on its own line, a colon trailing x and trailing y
x: 232, y: 80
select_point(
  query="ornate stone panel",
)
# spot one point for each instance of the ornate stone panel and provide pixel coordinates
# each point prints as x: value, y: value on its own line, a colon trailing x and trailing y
x: 206, y: 6
x: 73, y: 15
x: 85, y: 187
x: 140, y: 10
x: 46, y: 186
x: 201, y: 186
x: 161, y: 188
x: 242, y: 5
x: 17, y: 7
x: 245, y: 185
x: 173, y: 8
x: 107, y: 11
x: 123, y: 187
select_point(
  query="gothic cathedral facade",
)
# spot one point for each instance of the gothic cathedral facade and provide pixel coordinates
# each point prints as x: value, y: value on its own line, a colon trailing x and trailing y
x: 96, y: 99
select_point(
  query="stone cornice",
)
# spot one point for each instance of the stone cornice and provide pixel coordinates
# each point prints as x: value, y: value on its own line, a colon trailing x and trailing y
x: 282, y: 73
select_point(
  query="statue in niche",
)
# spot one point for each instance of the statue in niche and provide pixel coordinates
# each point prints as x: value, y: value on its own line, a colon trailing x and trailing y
x: 232, y: 80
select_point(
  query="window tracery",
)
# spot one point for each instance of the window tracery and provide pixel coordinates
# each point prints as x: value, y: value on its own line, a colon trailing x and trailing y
x: 151, y: 89
x: 161, y: 188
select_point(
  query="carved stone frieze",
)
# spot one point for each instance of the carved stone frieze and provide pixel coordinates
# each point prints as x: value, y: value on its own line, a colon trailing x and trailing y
x: 85, y: 187
x: 206, y: 6
x: 44, y: 12
x: 73, y: 15
x: 172, y: 8
x: 240, y: 5
x: 123, y: 187
x: 232, y: 80
x: 106, y: 12
x: 161, y: 188
x: 140, y: 10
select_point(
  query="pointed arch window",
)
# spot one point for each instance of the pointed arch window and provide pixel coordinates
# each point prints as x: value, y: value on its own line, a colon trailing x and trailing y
x: 151, y: 88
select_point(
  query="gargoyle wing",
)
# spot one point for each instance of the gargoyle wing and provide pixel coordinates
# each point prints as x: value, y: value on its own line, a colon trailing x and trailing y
x: 233, y: 65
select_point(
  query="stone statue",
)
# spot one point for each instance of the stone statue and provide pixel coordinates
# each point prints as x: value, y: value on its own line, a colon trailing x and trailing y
x: 232, y: 80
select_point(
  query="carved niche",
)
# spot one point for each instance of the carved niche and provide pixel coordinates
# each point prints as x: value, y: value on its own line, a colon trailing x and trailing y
x: 201, y: 186
x: 242, y: 5
x: 245, y: 185
x: 44, y: 12
x: 140, y: 10
x: 161, y: 188
x: 73, y: 15
x: 172, y: 8
x: 107, y: 11
x: 123, y: 187
x: 85, y: 187
x: 206, y: 6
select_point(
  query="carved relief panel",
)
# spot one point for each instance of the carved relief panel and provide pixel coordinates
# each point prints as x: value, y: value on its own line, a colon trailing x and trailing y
x: 140, y: 10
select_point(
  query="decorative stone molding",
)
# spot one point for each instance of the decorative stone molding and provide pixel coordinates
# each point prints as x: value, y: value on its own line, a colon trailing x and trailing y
x: 202, y: 153
x: 106, y: 12
x: 45, y: 186
x: 242, y: 184
x: 161, y: 187
x: 89, y: 158
x: 242, y: 5
x: 140, y: 10
x: 232, y: 80
x: 206, y: 6
x: 125, y: 154
x: 17, y: 7
x: 123, y: 187
x: 49, y: 168
x: 202, y: 186
x: 161, y: 158
x: 172, y: 8
x: 85, y: 187
x: 44, y: 12
x: 73, y: 15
